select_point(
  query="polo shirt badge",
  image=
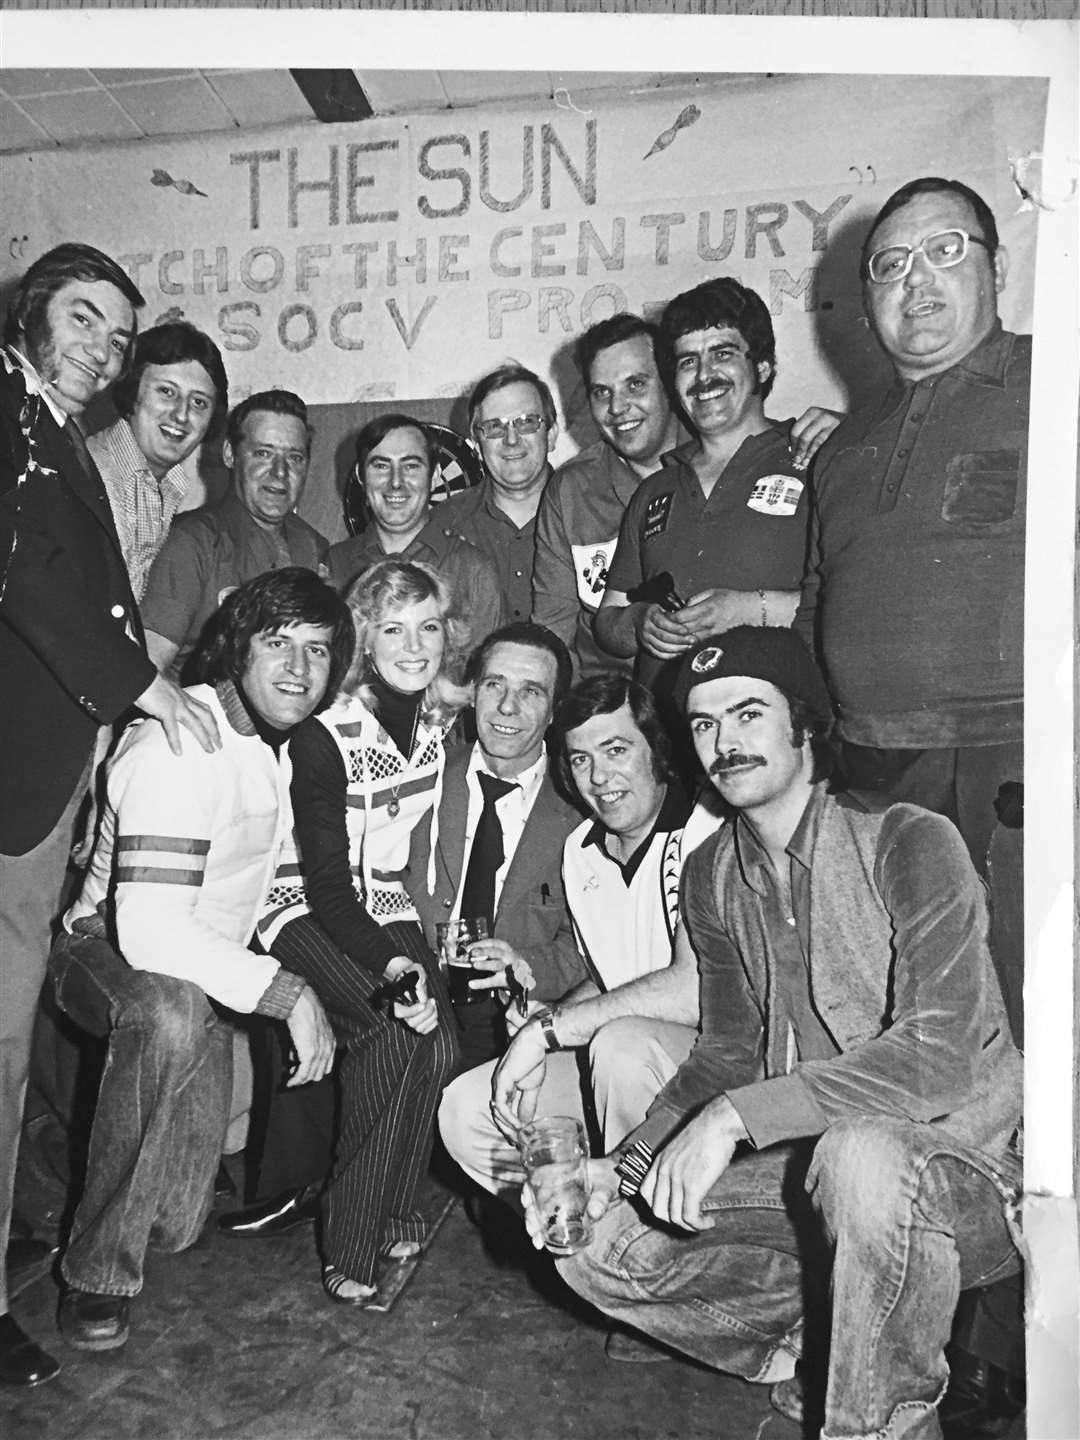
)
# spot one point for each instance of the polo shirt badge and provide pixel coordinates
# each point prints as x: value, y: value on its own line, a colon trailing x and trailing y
x: 591, y: 565
x: 776, y: 495
x: 657, y: 511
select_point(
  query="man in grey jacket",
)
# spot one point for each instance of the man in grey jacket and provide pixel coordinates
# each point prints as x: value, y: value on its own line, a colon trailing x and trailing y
x: 854, y: 1096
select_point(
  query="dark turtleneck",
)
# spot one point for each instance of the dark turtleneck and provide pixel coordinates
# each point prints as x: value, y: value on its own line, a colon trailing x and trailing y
x: 395, y: 711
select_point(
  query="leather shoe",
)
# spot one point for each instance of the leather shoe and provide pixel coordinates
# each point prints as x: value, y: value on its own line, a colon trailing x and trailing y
x: 21, y: 1361
x: 267, y: 1218
x: 630, y: 1347
x: 981, y: 1402
x: 94, y: 1322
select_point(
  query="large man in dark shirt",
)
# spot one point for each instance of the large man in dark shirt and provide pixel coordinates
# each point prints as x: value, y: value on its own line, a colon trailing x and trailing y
x: 853, y: 1038
x: 915, y: 596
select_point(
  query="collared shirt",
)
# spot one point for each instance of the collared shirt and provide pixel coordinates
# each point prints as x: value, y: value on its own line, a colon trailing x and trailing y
x: 142, y: 505
x: 915, y: 581
x: 672, y: 815
x: 513, y: 810
x: 890, y: 926
x: 471, y: 575
x: 577, y: 528
x: 35, y: 385
x: 207, y: 555
x: 475, y: 513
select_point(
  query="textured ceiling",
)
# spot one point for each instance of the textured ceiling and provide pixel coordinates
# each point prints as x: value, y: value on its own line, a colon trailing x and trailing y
x: 40, y: 109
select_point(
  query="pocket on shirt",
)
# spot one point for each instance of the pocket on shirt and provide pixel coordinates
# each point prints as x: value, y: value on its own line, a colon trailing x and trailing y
x: 981, y: 488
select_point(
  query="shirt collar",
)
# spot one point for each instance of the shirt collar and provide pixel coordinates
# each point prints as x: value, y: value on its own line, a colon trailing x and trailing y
x: 985, y: 365
x: 120, y: 439
x: 753, y: 858
x: 530, y: 780
x: 683, y: 454
x: 673, y: 815
x: 35, y: 385
x: 235, y: 710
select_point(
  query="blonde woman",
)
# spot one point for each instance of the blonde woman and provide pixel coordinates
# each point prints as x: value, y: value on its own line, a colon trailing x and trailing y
x: 365, y: 772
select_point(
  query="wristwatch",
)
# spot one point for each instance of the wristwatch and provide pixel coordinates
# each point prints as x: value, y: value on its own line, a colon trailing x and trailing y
x: 546, y: 1017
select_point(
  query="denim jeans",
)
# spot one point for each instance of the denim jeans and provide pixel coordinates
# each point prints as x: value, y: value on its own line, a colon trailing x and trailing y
x: 909, y: 1218
x: 160, y: 1118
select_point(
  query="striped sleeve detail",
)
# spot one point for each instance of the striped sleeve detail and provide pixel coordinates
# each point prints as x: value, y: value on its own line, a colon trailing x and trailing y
x: 160, y: 860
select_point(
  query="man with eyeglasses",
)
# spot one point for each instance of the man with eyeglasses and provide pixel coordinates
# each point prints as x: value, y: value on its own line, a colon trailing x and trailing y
x: 512, y: 423
x: 915, y: 594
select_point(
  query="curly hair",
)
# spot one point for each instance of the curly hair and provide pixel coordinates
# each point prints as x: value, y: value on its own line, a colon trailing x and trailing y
x: 391, y: 585
x: 720, y: 303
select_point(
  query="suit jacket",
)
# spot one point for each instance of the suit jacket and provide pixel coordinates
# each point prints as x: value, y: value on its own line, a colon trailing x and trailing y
x: 532, y: 914
x: 71, y: 651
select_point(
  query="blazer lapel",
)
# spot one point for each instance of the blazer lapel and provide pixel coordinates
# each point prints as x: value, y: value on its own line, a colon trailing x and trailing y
x: 453, y: 812
x: 76, y: 467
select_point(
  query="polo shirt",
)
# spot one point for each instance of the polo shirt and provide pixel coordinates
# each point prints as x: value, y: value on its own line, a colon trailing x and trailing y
x: 577, y: 528
x: 915, y: 583
x: 208, y: 554
x: 474, y: 513
x: 470, y: 574
x: 748, y: 534
x: 143, y: 506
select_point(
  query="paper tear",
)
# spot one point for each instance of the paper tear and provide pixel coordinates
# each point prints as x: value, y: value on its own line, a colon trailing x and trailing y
x: 1043, y: 181
x: 565, y: 101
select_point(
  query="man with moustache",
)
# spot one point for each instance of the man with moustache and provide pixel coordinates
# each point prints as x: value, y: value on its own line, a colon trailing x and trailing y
x: 512, y: 423
x: 849, y: 1112
x: 71, y: 649
x: 725, y: 518
x: 915, y: 598
x: 166, y: 402
x: 158, y: 940
x: 577, y: 526
x: 395, y: 464
x: 254, y: 529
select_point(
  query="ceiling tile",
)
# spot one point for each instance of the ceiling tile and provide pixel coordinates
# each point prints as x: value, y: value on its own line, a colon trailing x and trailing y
x: 174, y: 107
x: 260, y: 97
x: 126, y: 77
x: 44, y: 82
x: 394, y: 92
x: 17, y: 132
x: 88, y: 115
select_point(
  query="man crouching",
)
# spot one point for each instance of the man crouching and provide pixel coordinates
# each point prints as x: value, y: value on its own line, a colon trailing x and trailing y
x: 156, y: 946
x: 845, y: 1122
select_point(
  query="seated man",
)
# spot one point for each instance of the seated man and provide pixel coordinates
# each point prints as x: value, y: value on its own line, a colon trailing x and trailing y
x: 854, y: 1094
x: 518, y: 675
x: 395, y: 464
x: 639, y: 1008
x: 183, y: 859
x: 254, y: 529
x: 167, y: 402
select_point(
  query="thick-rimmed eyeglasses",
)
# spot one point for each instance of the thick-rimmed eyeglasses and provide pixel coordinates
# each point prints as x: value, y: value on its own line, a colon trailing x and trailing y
x: 940, y: 251
x: 499, y: 429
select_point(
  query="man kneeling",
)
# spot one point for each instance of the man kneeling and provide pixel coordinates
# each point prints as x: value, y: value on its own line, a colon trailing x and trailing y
x: 155, y: 948
x: 853, y: 1097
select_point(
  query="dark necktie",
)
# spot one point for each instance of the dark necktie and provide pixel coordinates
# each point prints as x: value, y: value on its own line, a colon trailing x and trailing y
x: 78, y: 443
x: 478, y: 891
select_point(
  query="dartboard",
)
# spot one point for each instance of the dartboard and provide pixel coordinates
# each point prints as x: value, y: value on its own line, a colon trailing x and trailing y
x: 457, y: 466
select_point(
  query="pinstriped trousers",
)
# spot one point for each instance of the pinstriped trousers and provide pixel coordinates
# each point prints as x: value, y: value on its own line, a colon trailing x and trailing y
x: 391, y: 1080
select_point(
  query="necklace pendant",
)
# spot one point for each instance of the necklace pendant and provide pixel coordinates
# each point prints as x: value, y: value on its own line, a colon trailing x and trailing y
x: 393, y: 809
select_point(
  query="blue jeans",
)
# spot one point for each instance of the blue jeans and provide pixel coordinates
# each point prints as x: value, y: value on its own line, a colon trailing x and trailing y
x: 161, y: 1113
x: 909, y: 1217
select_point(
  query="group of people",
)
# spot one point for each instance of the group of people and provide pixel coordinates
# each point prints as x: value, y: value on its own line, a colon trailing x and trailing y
x: 718, y: 727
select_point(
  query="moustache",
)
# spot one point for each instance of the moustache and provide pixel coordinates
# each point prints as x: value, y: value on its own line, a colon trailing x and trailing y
x: 734, y: 762
x: 698, y: 389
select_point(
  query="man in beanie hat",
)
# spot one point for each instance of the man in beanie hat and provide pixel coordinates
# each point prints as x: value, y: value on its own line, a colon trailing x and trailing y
x: 853, y: 1097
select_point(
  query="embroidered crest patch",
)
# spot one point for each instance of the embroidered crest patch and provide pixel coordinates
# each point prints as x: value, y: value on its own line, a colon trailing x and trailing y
x: 656, y: 515
x: 776, y: 495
